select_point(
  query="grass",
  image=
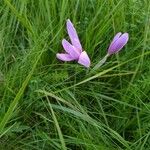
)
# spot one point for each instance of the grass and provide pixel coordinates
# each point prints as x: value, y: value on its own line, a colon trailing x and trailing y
x: 46, y: 104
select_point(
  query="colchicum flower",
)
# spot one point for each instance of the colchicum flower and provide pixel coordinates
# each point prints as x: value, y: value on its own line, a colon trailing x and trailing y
x: 119, y: 41
x: 74, y: 49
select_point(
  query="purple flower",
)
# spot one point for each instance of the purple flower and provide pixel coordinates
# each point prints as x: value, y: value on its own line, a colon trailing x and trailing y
x: 74, y: 49
x: 119, y: 41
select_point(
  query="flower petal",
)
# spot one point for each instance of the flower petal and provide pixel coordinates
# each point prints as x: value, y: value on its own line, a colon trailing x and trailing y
x: 116, y: 37
x: 64, y: 57
x: 71, y: 50
x: 73, y: 36
x: 84, y: 59
x: 118, y: 44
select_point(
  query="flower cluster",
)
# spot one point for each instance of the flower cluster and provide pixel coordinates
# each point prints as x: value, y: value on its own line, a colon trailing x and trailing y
x: 75, y: 52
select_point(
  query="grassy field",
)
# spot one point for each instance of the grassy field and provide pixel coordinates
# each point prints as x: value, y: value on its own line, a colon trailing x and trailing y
x: 46, y: 104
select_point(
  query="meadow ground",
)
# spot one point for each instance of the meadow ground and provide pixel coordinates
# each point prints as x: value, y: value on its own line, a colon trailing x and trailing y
x: 46, y: 104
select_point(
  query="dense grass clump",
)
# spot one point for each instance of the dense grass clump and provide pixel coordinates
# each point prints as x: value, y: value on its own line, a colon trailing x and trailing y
x: 50, y: 105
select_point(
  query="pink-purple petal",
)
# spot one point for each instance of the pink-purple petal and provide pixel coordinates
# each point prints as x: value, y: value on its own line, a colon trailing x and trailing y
x: 117, y: 45
x: 71, y: 50
x: 73, y: 36
x: 116, y: 37
x: 84, y: 59
x: 64, y: 57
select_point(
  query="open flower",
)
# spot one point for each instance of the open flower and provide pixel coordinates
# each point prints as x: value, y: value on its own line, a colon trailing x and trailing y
x: 119, y: 41
x: 74, y: 49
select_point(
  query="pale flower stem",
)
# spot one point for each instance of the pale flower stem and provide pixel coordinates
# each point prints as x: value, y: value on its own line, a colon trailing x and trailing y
x: 100, y: 63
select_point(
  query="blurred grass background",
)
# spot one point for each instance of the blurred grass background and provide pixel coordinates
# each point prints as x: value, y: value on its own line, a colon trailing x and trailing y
x: 49, y: 105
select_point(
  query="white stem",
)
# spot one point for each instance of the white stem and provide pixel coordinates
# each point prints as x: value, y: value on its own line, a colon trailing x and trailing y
x: 100, y: 63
